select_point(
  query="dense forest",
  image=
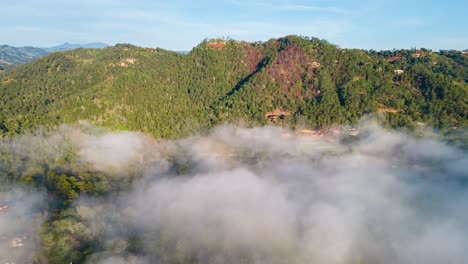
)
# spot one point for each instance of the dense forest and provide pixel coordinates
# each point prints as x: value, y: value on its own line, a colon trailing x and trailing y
x: 291, y: 81
x: 77, y: 187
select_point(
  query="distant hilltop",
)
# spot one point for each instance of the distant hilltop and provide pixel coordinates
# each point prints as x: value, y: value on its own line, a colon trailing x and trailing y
x: 70, y: 46
x: 12, y: 56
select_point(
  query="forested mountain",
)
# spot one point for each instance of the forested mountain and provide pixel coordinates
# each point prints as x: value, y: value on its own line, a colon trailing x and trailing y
x: 293, y: 81
x: 12, y: 56
x: 81, y: 193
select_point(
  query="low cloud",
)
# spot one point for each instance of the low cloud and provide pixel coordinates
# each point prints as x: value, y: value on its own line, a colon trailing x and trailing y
x: 251, y: 194
x: 268, y: 195
x: 20, y: 218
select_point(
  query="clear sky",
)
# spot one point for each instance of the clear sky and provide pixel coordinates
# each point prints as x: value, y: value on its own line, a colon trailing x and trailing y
x: 182, y: 24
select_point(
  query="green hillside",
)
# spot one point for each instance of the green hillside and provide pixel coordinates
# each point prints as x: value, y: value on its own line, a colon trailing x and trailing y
x: 86, y: 194
x: 291, y: 80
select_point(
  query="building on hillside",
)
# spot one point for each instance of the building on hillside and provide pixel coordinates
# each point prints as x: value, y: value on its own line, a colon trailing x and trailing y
x: 394, y: 58
x: 353, y: 132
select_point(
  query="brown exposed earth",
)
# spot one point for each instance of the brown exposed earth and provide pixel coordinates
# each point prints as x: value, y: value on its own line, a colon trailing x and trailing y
x: 277, y: 113
x: 217, y: 45
x: 292, y: 66
x: 252, y: 58
x: 384, y: 109
x: 394, y: 58
x: 126, y: 62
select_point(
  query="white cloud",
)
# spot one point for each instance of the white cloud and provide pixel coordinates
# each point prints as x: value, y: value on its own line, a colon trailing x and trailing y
x: 251, y: 194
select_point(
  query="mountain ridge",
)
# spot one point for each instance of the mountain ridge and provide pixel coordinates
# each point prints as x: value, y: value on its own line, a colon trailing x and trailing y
x: 11, y: 56
x: 70, y: 46
x: 169, y: 94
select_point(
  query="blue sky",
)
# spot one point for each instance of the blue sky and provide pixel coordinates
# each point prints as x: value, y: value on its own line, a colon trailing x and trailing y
x: 180, y: 24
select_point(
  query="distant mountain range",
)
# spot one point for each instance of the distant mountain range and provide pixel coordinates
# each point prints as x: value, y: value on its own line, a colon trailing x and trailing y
x: 70, y: 46
x: 12, y: 56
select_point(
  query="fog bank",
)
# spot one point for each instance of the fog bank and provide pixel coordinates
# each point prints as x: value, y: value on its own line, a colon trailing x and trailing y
x: 268, y: 195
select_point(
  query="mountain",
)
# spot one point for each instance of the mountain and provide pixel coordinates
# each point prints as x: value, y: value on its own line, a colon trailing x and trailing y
x: 69, y: 46
x: 290, y: 81
x: 85, y: 194
x: 10, y: 56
